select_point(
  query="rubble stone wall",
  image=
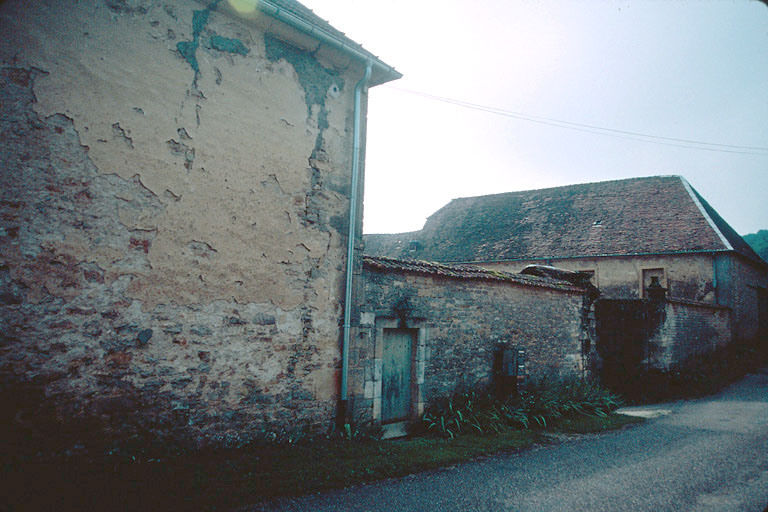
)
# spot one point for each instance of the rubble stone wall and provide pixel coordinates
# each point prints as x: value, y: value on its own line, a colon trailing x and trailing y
x: 690, y: 329
x: 465, y: 322
x: 173, y: 217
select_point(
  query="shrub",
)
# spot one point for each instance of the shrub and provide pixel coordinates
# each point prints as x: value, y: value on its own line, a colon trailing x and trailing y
x: 461, y: 412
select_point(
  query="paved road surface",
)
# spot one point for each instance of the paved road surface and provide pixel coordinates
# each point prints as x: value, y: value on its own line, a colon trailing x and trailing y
x: 705, y: 455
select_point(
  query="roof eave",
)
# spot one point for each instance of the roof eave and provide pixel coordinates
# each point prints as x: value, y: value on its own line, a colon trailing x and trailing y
x: 704, y: 213
x: 377, y: 263
x: 382, y: 72
x: 584, y: 256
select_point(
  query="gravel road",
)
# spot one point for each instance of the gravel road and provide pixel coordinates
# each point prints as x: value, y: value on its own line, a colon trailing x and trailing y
x: 701, y: 455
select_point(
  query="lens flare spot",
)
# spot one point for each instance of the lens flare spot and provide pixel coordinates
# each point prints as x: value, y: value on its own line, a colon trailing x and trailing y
x: 244, y: 6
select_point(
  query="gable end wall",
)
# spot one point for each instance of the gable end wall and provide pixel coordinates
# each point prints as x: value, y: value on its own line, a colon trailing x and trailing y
x: 174, y: 201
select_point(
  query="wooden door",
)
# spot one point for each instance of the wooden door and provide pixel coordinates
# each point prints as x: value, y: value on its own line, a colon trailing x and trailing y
x: 396, y: 374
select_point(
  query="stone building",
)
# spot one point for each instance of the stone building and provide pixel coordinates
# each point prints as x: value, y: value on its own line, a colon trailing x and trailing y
x: 180, y: 236
x: 177, y: 197
x: 427, y: 330
x: 625, y: 233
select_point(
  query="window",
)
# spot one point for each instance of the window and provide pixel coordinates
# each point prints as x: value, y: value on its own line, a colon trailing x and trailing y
x: 649, y: 275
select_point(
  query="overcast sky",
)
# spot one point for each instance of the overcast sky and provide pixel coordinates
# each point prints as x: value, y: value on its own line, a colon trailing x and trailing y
x: 673, y: 69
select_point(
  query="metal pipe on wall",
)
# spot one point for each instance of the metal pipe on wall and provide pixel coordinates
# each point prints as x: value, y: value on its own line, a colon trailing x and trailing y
x: 353, y: 199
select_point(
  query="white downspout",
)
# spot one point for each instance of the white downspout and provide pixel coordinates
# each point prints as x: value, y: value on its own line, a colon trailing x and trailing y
x: 356, y: 128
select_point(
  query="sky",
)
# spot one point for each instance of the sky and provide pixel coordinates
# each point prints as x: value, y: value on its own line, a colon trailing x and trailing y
x: 675, y: 70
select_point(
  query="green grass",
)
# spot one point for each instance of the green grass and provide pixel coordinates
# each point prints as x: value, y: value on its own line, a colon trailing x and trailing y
x: 338, y: 463
x: 219, y: 479
x: 146, y: 472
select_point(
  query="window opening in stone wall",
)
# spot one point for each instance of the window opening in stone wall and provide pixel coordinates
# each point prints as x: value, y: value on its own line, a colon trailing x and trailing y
x: 649, y: 274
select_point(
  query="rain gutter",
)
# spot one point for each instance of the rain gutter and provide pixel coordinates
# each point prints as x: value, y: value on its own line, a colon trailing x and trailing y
x: 326, y: 37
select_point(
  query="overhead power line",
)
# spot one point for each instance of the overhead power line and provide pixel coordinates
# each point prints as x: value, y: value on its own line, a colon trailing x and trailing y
x: 569, y: 125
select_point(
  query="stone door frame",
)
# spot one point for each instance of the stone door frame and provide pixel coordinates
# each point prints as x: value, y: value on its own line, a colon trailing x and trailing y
x: 418, y: 361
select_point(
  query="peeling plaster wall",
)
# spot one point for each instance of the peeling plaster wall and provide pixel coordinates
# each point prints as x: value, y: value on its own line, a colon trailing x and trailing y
x: 173, y: 216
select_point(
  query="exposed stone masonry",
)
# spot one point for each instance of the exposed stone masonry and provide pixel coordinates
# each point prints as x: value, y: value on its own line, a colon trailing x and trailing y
x: 172, y: 246
x: 466, y: 321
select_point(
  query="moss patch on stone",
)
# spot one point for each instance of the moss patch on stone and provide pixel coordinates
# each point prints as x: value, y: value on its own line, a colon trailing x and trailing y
x: 229, y: 45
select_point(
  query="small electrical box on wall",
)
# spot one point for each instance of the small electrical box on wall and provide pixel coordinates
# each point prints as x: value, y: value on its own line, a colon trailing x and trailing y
x: 508, y: 362
x: 520, y: 366
x: 513, y: 366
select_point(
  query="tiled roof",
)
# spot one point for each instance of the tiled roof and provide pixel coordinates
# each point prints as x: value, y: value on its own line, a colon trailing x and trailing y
x: 655, y: 215
x: 463, y: 272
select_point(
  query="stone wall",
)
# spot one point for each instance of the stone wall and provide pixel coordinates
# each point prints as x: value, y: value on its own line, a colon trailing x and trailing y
x: 728, y: 279
x: 742, y: 281
x: 463, y: 322
x: 635, y: 336
x: 690, y: 329
x: 173, y: 224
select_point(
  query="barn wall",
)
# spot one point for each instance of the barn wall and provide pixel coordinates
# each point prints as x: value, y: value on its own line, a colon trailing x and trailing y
x: 686, y: 276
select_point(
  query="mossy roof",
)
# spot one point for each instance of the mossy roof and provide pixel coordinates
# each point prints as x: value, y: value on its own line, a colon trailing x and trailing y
x: 653, y: 215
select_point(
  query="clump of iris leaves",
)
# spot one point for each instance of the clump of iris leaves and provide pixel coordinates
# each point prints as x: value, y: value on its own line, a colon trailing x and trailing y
x: 539, y: 404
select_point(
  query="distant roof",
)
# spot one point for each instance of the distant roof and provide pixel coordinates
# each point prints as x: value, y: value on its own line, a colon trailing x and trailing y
x: 465, y: 272
x: 654, y: 215
x: 306, y: 15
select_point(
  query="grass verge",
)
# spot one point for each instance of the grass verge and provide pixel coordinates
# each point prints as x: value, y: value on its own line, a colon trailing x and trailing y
x: 593, y: 424
x: 221, y: 479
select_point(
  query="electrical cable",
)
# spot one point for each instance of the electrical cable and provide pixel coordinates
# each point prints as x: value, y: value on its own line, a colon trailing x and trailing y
x: 622, y: 134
